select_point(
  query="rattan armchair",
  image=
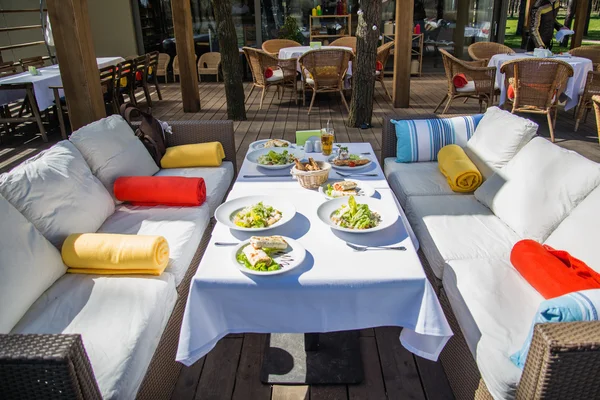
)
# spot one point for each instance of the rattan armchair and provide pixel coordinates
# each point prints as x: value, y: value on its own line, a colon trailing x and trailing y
x: 273, y: 46
x: 589, y: 52
x: 163, y: 65
x: 209, y: 64
x: 481, y: 85
x: 324, y: 71
x: 537, y: 84
x: 345, y: 41
x: 596, y: 103
x: 483, y: 51
x: 592, y: 88
x: 383, y: 53
x: 175, y: 68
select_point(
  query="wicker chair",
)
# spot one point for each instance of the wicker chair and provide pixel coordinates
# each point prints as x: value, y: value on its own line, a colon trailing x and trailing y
x: 324, y: 71
x: 481, y: 84
x: 151, y: 74
x: 483, y: 51
x: 537, y: 84
x: 596, y: 103
x: 346, y: 41
x: 175, y: 68
x: 140, y: 76
x: 383, y: 52
x: 274, y: 45
x: 8, y: 68
x: 209, y: 64
x: 591, y: 89
x: 124, y: 82
x: 284, y: 73
x: 589, y: 52
x: 163, y: 65
x: 37, y: 62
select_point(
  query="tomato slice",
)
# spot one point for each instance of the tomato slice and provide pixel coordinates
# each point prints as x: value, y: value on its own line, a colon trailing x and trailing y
x: 352, y: 164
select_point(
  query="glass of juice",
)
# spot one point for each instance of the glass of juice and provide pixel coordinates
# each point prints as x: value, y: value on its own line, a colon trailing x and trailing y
x: 327, y: 140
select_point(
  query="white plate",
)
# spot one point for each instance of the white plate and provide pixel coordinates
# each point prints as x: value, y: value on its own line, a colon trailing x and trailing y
x: 345, y: 168
x: 253, y: 156
x: 260, y: 144
x: 289, y: 258
x: 363, y: 189
x: 388, y: 213
x: 226, y: 211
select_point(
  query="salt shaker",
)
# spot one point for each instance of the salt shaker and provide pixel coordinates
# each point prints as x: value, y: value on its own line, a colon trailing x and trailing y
x: 318, y: 147
x: 308, y: 146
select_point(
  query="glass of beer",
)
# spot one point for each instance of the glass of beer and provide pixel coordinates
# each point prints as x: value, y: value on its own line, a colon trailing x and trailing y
x: 327, y: 140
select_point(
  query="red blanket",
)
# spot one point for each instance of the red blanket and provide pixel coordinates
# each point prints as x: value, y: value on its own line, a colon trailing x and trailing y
x: 160, y: 190
x: 551, y: 272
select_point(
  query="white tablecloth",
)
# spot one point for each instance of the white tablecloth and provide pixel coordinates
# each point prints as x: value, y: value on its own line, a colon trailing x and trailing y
x: 581, y: 66
x: 49, y: 76
x: 334, y: 289
x: 296, y: 52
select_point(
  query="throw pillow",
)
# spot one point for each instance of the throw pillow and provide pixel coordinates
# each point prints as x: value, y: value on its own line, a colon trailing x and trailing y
x: 268, y: 73
x: 459, y: 81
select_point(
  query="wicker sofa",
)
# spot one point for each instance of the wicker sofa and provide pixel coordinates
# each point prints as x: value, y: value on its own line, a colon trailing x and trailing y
x: 39, y: 361
x: 482, y: 295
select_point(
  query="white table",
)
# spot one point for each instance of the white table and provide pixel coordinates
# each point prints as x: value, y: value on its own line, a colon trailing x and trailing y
x: 335, y: 289
x: 581, y: 66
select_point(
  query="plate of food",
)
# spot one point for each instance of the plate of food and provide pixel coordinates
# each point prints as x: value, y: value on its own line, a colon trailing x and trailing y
x: 348, y: 161
x: 346, y: 188
x: 357, y: 214
x: 269, y: 144
x: 255, y: 213
x: 274, y: 158
x: 268, y: 255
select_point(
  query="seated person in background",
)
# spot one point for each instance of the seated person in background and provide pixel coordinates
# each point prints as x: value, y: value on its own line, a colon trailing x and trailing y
x: 543, y: 23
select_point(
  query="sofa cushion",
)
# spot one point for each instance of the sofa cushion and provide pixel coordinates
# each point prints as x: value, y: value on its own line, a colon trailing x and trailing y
x: 120, y: 319
x: 29, y: 265
x: 494, y: 307
x: 57, y: 192
x: 499, y: 136
x: 182, y: 227
x: 112, y: 150
x: 538, y: 188
x: 457, y: 227
x: 218, y: 180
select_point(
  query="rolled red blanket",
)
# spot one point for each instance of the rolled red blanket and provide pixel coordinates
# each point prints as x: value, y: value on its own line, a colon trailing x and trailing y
x: 160, y: 190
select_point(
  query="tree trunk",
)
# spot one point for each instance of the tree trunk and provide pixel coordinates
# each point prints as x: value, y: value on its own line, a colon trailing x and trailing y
x: 230, y: 60
x: 571, y: 6
x: 363, y: 65
x: 521, y: 20
x: 587, y: 21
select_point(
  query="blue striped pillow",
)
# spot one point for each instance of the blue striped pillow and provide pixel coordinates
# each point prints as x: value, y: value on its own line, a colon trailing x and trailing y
x: 420, y: 140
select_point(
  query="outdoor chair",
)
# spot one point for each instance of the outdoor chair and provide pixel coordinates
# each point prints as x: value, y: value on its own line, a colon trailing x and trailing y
x: 209, y: 64
x: 140, y: 68
x: 274, y: 45
x: 324, y: 71
x: 8, y: 68
x: 152, y: 74
x: 483, y: 51
x: 588, y: 52
x: 591, y: 89
x: 163, y: 65
x: 481, y: 81
x: 61, y: 108
x: 176, y: 69
x: 383, y: 52
x: 346, y: 41
x: 124, y: 82
x: 537, y: 86
x: 596, y: 103
x: 284, y: 72
x: 37, y: 62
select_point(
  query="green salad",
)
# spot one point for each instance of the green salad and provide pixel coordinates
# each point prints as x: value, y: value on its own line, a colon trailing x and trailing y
x: 260, y: 266
x: 257, y: 216
x: 275, y: 158
x: 353, y: 157
x: 329, y: 190
x: 355, y: 216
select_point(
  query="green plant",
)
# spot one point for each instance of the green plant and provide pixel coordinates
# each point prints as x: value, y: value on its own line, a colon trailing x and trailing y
x: 290, y: 30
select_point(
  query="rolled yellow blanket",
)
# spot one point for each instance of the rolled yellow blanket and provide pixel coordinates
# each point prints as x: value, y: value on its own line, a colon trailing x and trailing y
x: 193, y: 155
x: 114, y: 254
x: 460, y: 172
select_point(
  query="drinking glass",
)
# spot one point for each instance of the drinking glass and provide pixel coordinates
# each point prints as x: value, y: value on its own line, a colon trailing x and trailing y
x: 327, y: 141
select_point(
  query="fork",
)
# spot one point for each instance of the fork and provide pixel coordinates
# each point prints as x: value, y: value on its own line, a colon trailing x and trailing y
x: 365, y: 248
x: 348, y: 175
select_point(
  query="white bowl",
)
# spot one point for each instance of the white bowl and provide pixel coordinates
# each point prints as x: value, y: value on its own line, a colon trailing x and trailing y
x: 260, y: 144
x: 346, y: 168
x: 226, y: 211
x: 289, y: 259
x: 388, y: 213
x: 253, y: 156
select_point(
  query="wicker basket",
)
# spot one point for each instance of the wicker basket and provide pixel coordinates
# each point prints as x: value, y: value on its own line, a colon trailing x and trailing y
x: 313, y: 179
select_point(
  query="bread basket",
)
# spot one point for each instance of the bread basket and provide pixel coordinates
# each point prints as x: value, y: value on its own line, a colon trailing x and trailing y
x: 312, y: 179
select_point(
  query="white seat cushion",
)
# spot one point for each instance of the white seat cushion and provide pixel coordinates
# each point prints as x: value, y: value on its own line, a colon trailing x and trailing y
x: 120, y: 319
x: 494, y: 307
x: 217, y: 179
x: 277, y: 76
x: 458, y: 227
x: 57, y: 192
x: 111, y: 149
x: 182, y: 227
x: 538, y: 188
x: 310, y: 81
x: 29, y: 265
x: 470, y: 87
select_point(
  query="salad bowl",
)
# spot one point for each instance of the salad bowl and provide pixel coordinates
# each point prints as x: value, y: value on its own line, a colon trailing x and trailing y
x: 274, y: 158
x: 289, y: 259
x: 387, y: 215
x: 249, y: 208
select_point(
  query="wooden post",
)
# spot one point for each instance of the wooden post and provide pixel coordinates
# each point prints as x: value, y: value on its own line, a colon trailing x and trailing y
x: 462, y: 17
x: 402, y: 52
x: 184, y: 43
x: 78, y: 67
x: 526, y: 23
x: 581, y: 13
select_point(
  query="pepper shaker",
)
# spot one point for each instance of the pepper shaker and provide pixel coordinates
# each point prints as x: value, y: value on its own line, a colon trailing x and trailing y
x: 318, y: 147
x: 308, y: 146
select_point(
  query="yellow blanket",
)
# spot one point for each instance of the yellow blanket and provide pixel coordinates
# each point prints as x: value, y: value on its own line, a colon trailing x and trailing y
x: 113, y: 254
x: 460, y: 172
x: 193, y: 155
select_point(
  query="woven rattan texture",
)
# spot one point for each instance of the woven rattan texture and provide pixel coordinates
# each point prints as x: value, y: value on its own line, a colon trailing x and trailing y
x: 483, y: 51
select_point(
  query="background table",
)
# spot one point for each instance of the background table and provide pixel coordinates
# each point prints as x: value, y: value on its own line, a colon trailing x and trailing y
x: 581, y: 66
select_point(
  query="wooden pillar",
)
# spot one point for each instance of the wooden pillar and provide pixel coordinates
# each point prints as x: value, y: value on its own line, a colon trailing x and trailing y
x: 78, y: 67
x: 581, y: 13
x: 184, y: 42
x: 402, y: 53
x: 462, y: 17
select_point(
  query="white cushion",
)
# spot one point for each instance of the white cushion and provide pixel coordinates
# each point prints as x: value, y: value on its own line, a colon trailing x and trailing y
x: 112, y: 150
x: 182, y: 227
x: 457, y: 227
x: 538, y: 188
x: 499, y: 136
x: 29, y: 265
x: 120, y: 319
x: 494, y: 307
x: 57, y: 192
x: 310, y: 81
x: 217, y: 181
x: 277, y: 76
x: 470, y: 87
x: 578, y: 233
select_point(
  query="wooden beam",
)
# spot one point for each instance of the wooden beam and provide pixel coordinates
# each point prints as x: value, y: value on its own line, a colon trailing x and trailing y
x: 462, y: 17
x: 581, y: 13
x: 78, y: 67
x: 184, y: 42
x: 402, y: 53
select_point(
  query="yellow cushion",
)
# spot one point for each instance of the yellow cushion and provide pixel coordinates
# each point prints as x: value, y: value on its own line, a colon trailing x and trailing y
x: 194, y: 155
x: 460, y: 172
